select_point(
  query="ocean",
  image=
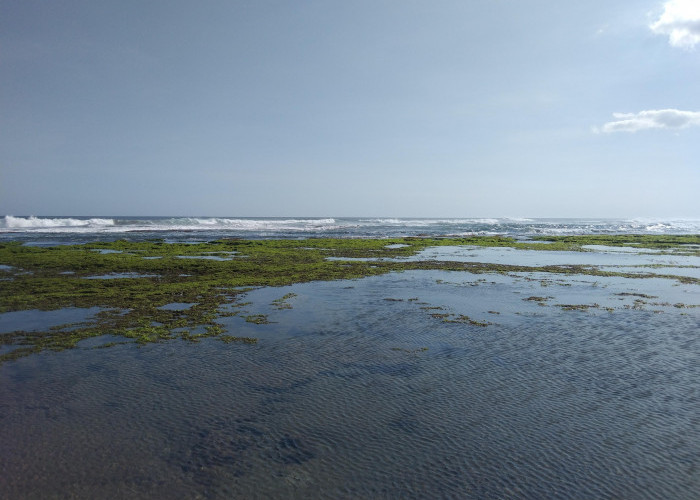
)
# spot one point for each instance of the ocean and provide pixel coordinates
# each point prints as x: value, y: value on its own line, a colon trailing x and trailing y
x: 416, y: 384
x: 80, y: 229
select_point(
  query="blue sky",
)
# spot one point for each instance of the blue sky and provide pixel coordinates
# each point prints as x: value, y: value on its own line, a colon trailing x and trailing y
x: 535, y: 108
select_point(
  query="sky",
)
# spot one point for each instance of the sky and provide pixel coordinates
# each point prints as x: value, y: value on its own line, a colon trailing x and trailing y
x: 325, y: 108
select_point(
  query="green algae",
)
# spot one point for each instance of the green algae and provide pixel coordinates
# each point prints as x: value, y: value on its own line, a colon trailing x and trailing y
x: 153, y: 274
x: 462, y: 318
x: 578, y: 307
x: 230, y: 338
x: 680, y: 244
x: 283, y: 302
x: 442, y: 316
x: 258, y: 319
x: 631, y: 294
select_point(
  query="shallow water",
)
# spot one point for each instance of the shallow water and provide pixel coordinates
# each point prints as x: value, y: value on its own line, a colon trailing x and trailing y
x: 349, y: 394
x: 613, y: 260
x: 35, y: 320
x: 115, y: 276
x: 514, y: 256
x: 208, y: 257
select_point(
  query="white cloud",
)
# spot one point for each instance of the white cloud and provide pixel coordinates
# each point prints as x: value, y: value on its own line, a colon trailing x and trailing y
x: 653, y: 118
x: 681, y: 22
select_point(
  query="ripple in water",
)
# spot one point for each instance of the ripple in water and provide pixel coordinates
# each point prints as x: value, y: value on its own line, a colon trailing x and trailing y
x: 341, y: 399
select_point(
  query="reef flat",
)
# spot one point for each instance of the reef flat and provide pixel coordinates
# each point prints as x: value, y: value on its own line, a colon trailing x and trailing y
x: 152, y: 291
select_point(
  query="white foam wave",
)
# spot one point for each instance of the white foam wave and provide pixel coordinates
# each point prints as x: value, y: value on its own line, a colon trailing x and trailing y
x: 11, y: 222
x: 73, y: 225
x: 250, y: 224
x: 276, y: 227
x: 255, y: 224
x: 381, y: 221
x: 429, y: 222
x: 516, y: 219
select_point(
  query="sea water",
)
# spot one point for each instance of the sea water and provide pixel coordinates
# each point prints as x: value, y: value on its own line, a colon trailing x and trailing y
x: 378, y: 388
x: 51, y: 230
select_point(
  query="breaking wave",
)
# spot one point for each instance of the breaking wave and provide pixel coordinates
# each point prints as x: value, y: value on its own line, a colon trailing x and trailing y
x: 279, y: 227
x: 11, y: 222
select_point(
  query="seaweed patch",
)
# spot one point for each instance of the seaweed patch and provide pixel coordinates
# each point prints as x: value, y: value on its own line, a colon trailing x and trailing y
x: 213, y: 277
